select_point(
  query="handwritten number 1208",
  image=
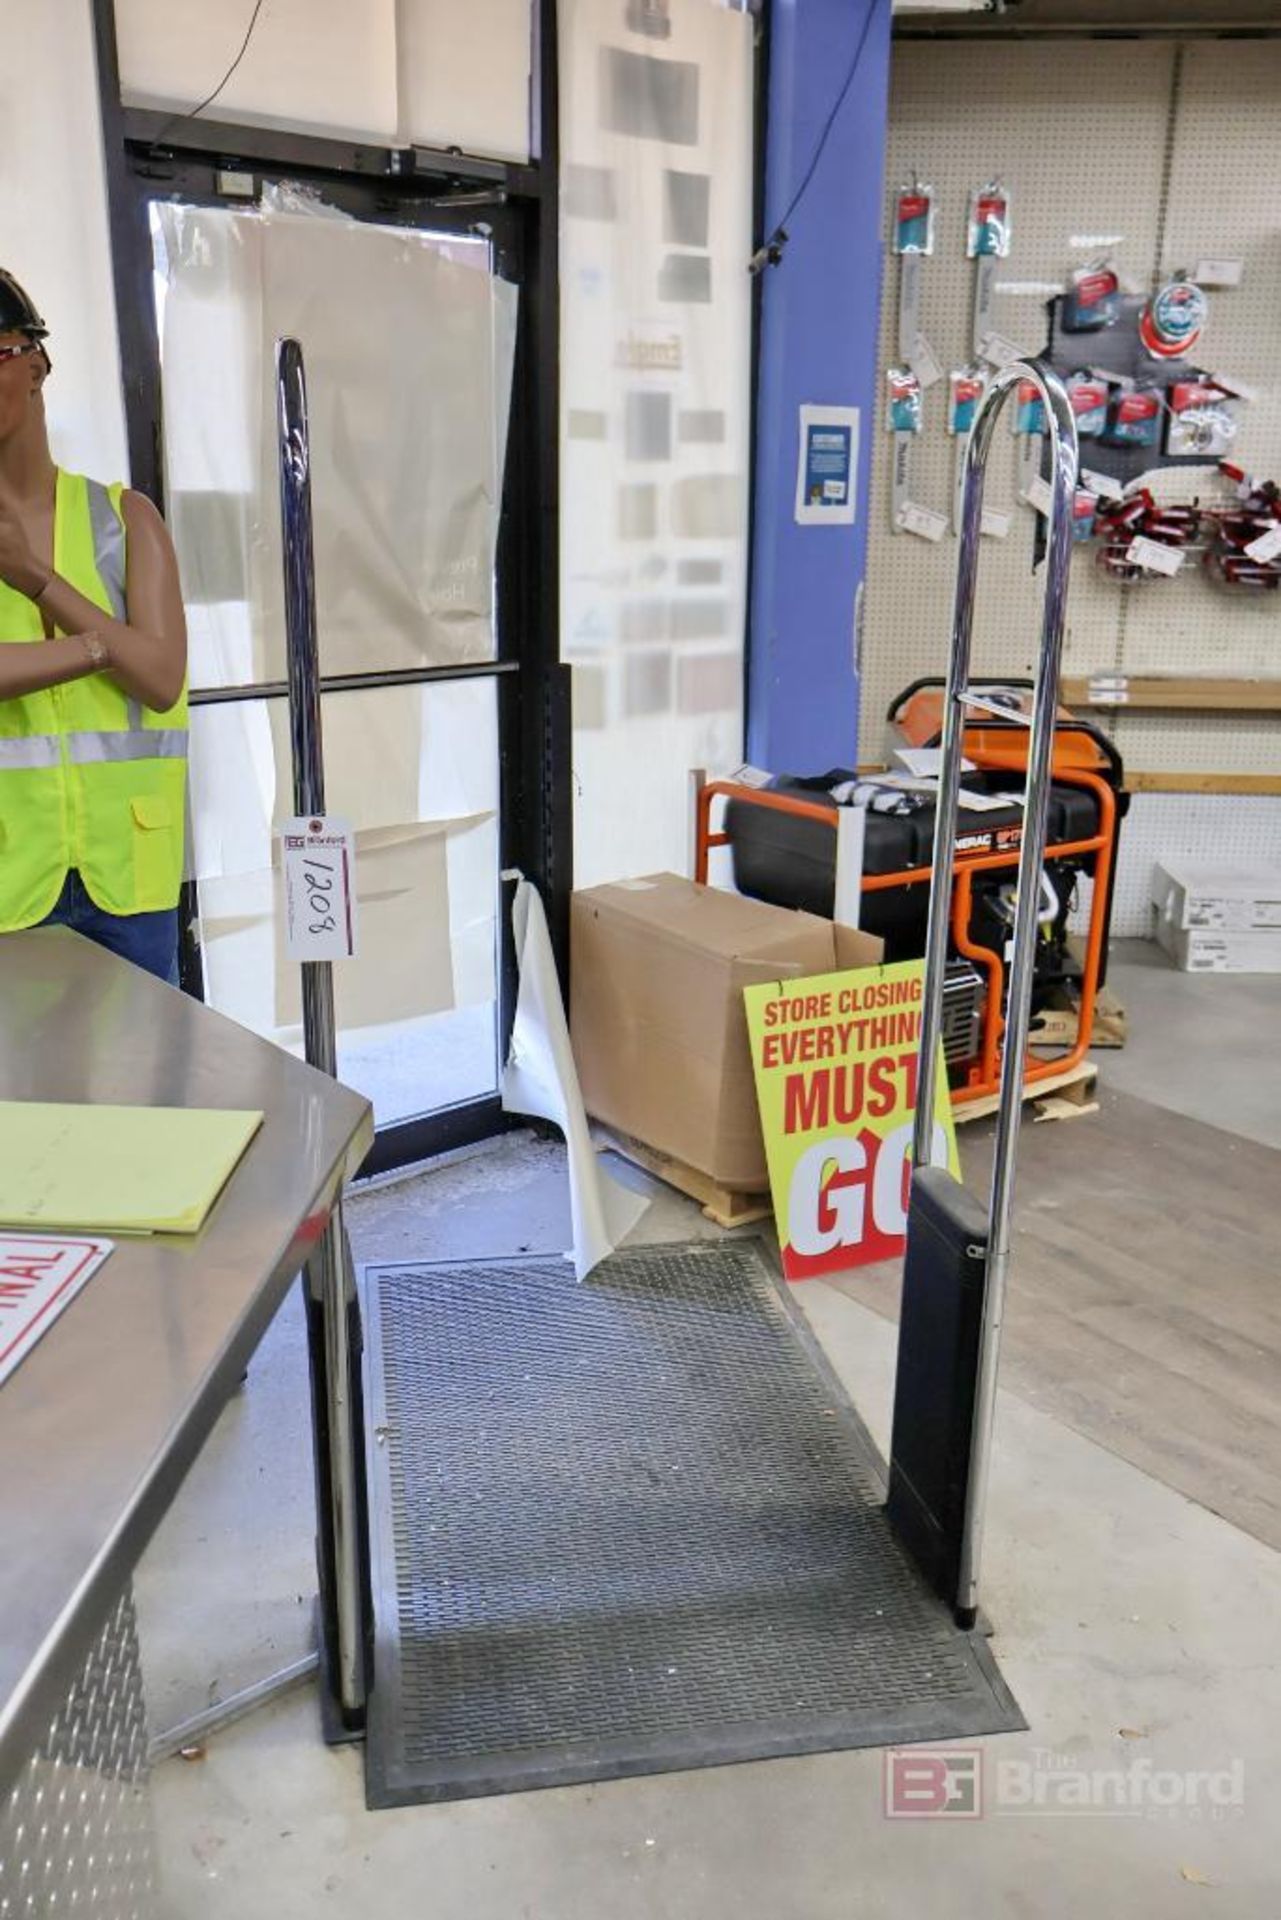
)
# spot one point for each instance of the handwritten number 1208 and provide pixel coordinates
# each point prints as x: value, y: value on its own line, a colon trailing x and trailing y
x: 320, y: 886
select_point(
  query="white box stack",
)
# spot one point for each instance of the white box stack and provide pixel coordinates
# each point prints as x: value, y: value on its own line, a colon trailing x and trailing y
x: 1213, y: 919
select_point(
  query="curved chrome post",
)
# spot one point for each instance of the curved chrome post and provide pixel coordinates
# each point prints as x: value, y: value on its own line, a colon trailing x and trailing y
x: 1064, y: 465
x: 329, y: 1269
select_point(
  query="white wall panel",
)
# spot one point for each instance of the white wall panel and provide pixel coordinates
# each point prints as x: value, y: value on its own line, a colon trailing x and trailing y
x: 317, y: 65
x: 464, y: 75
x: 53, y: 224
x: 656, y: 203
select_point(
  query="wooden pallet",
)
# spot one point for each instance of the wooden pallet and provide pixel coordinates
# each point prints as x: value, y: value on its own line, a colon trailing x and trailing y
x: 1059, y: 1096
x: 726, y: 1207
x: 1056, y: 1027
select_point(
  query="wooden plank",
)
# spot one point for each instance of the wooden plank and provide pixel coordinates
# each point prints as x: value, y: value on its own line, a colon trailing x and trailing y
x: 721, y: 1204
x: 1075, y: 1086
x: 1203, y: 782
x: 1193, y: 692
x: 1057, y: 1027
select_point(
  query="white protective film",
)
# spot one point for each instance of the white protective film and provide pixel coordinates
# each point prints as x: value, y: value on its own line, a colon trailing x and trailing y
x: 656, y: 189
x: 322, y: 66
x: 540, y: 1078
x: 465, y: 75
x: 408, y: 342
x: 411, y: 72
x: 415, y: 771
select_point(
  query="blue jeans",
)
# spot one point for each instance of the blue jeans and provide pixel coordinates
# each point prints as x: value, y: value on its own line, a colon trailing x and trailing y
x: 150, y: 940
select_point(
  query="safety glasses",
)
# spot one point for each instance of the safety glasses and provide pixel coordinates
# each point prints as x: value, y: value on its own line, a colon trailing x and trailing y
x: 16, y: 353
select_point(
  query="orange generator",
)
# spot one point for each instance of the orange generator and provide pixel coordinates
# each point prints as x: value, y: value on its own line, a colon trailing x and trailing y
x: 782, y: 839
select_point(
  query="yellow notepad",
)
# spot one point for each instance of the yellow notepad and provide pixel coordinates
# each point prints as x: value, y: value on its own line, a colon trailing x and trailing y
x: 118, y: 1169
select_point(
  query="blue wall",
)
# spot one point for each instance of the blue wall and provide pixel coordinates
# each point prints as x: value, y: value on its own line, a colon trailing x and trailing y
x: 818, y: 345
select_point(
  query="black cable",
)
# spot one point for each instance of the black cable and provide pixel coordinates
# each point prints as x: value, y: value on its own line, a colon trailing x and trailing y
x: 772, y: 251
x: 177, y: 119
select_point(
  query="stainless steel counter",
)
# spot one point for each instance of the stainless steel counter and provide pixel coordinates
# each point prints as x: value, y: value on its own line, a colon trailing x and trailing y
x: 100, y: 1422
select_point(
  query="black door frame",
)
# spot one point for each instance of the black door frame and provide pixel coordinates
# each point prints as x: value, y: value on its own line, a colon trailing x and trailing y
x: 153, y: 156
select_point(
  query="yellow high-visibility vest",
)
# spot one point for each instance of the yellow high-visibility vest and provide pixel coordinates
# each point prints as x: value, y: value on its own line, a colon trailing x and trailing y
x: 89, y: 779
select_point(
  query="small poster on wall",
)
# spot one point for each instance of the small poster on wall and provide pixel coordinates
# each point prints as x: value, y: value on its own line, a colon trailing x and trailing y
x: 827, y: 466
x: 835, y: 1061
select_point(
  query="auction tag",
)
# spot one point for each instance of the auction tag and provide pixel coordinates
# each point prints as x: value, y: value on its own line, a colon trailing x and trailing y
x: 40, y: 1274
x: 1102, y: 483
x: 1153, y: 555
x: 1268, y: 545
x: 1219, y: 273
x: 914, y: 518
x: 924, y: 362
x: 1234, y: 388
x: 1038, y: 494
x: 1000, y: 352
x: 995, y: 524
x: 1108, y: 690
x: 319, y: 861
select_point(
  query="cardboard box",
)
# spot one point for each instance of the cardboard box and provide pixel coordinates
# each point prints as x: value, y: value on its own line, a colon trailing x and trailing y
x: 1217, y: 950
x: 656, y: 1011
x: 1191, y: 895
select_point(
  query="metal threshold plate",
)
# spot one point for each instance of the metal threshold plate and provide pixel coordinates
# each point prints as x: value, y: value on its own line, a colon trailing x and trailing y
x: 628, y: 1526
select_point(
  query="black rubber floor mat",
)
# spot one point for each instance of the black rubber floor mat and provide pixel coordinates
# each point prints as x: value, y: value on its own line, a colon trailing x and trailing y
x: 627, y: 1526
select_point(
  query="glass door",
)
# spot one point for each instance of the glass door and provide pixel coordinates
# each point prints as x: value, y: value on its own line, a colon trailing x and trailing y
x: 409, y: 331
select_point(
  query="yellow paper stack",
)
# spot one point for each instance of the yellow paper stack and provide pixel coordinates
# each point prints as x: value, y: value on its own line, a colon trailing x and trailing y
x: 116, y: 1169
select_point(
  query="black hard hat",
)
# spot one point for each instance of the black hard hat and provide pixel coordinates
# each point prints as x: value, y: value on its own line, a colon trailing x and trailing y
x: 18, y: 314
x: 17, y: 310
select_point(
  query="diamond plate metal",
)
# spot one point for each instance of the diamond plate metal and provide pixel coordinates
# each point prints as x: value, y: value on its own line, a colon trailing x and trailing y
x: 75, y: 1830
x: 628, y: 1526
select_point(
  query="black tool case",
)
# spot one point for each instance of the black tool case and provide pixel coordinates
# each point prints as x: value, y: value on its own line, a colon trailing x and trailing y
x: 790, y: 860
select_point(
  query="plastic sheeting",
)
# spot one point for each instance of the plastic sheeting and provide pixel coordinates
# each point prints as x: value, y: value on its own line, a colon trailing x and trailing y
x: 656, y: 133
x: 415, y: 771
x: 540, y: 1078
x: 409, y: 344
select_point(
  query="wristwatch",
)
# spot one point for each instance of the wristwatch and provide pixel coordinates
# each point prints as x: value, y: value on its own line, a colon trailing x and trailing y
x: 99, y: 658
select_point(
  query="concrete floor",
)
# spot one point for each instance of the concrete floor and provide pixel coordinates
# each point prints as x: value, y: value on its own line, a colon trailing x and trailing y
x: 1198, y: 1042
x: 1136, y: 1629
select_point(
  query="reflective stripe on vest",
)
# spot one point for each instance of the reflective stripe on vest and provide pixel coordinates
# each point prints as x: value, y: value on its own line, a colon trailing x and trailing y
x: 92, y: 749
x: 89, y: 779
x: 109, y: 555
x: 108, y: 545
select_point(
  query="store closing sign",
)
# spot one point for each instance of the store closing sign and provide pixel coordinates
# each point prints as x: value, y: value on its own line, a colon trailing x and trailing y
x: 835, y: 1059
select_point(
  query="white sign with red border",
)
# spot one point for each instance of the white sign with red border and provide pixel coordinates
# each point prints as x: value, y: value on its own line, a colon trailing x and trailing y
x: 40, y: 1274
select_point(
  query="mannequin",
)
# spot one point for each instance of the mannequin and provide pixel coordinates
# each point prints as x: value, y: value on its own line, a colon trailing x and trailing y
x: 142, y: 655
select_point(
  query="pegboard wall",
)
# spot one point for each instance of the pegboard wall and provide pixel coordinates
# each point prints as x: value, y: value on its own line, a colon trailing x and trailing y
x: 1187, y: 827
x: 1175, y: 147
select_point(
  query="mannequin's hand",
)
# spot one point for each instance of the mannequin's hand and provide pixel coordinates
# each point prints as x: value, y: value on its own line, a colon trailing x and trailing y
x: 18, y: 564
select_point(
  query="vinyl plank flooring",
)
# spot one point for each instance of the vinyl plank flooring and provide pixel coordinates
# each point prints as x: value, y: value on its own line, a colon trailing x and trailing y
x: 1145, y: 1296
